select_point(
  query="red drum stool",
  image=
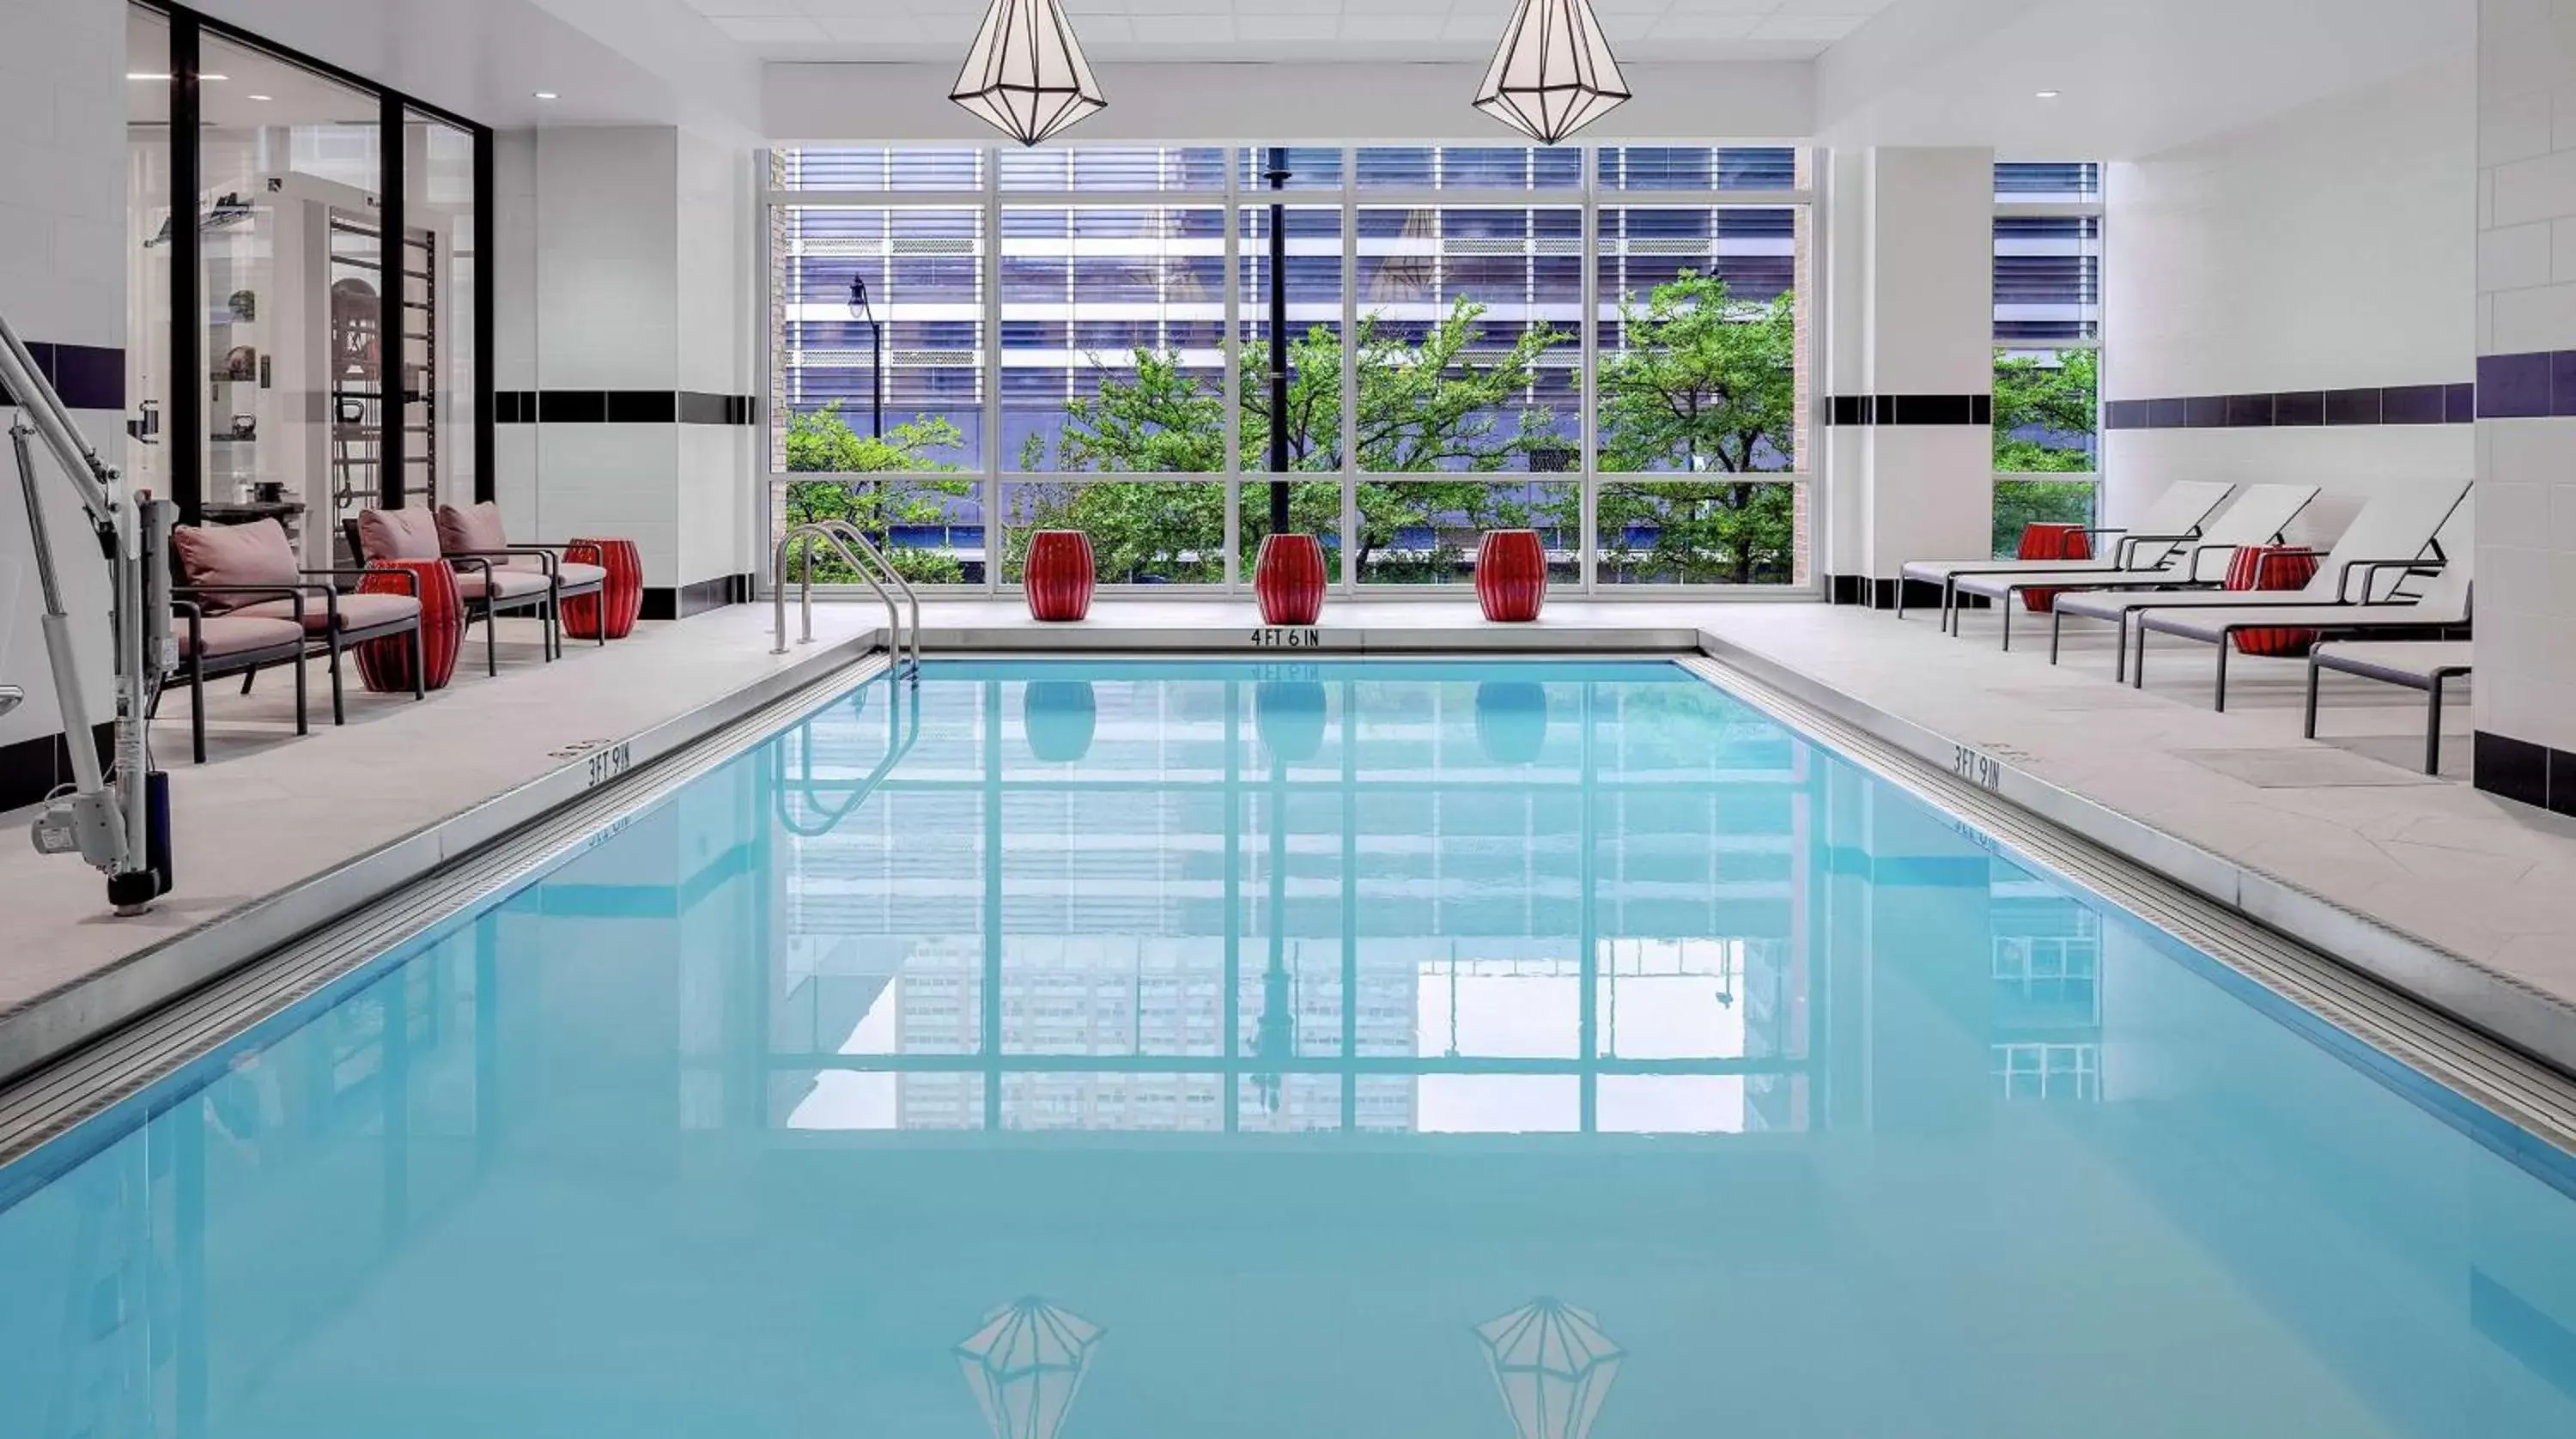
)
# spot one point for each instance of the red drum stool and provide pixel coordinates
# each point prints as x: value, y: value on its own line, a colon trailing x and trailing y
x: 621, y: 595
x: 2272, y: 567
x: 1288, y: 578
x: 1060, y: 575
x: 1511, y: 575
x: 2051, y: 541
x: 385, y: 665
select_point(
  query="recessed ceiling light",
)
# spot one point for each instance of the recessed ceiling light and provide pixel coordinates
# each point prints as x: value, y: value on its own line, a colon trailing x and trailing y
x: 259, y: 97
x: 2048, y: 94
x: 548, y: 95
x: 144, y: 75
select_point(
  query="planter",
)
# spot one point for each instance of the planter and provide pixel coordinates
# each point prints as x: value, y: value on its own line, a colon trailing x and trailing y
x: 621, y: 595
x: 1288, y: 578
x: 2273, y: 567
x: 1511, y: 575
x: 384, y: 666
x: 1060, y: 575
x: 2049, y: 541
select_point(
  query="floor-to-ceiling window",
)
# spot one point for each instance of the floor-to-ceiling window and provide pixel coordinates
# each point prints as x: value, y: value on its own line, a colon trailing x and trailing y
x: 2048, y: 346
x: 1607, y: 344
x: 286, y: 361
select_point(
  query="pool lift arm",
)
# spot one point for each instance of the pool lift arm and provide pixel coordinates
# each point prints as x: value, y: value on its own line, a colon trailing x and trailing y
x: 119, y: 821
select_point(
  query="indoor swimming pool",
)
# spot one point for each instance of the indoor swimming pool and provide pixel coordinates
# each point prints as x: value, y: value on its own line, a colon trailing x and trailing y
x: 1160, y: 1050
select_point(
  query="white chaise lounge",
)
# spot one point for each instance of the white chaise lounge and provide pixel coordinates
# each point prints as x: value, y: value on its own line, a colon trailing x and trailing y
x: 2175, y: 518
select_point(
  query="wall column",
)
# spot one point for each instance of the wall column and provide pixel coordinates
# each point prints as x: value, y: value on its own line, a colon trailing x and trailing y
x: 2525, y: 687
x: 625, y: 392
x: 1910, y: 415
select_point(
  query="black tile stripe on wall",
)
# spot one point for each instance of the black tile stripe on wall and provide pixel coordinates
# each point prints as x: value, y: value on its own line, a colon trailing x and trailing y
x: 1910, y: 410
x: 2527, y: 386
x: 2456, y: 404
x: 622, y: 407
x: 88, y: 377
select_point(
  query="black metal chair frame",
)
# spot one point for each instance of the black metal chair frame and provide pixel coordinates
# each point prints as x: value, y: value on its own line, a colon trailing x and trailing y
x: 548, y: 603
x: 197, y: 668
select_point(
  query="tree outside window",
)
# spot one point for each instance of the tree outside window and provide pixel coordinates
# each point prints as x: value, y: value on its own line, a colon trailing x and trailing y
x: 2045, y: 423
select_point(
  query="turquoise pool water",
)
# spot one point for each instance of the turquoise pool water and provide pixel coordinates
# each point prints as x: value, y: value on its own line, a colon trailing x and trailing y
x: 1140, y: 1051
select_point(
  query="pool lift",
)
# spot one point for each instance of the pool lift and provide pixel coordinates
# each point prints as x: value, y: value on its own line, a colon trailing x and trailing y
x: 118, y: 820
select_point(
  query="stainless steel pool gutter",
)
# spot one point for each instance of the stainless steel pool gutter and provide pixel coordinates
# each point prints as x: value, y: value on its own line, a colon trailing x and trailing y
x: 2505, y: 1045
x: 83, y: 1010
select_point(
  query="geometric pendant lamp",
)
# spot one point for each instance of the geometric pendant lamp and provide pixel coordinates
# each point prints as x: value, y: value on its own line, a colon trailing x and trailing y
x: 1554, y: 1367
x: 1025, y: 75
x: 1553, y: 73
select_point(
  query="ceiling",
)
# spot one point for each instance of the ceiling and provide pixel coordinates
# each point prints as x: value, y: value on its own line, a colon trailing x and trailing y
x: 1254, y: 30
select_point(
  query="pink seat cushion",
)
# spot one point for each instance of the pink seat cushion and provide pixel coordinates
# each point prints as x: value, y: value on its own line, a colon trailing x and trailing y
x: 357, y: 612
x: 253, y: 554
x: 398, y: 535
x: 577, y: 575
x: 236, y: 634
x: 470, y: 528
x: 508, y: 583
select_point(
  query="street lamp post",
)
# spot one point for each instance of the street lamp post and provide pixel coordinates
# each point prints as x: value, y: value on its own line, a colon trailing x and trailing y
x: 862, y: 312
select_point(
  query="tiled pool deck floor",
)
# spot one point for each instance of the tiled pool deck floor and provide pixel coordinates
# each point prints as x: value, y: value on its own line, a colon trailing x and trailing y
x: 2347, y: 820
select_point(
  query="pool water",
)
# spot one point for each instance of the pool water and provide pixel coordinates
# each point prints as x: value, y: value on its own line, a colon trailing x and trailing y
x: 1140, y: 1051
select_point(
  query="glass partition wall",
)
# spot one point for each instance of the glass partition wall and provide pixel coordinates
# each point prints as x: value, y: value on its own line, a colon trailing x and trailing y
x: 285, y: 361
x: 1610, y: 345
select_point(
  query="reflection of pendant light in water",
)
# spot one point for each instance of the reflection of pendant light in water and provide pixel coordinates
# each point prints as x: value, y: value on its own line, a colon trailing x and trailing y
x: 1554, y: 1367
x: 1026, y: 1365
x: 1059, y: 717
x: 1511, y: 720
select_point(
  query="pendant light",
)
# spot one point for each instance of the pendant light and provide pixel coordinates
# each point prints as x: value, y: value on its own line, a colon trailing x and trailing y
x: 1025, y: 75
x: 1553, y: 73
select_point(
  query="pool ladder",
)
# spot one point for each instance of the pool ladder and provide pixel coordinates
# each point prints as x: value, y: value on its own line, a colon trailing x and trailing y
x: 853, y: 546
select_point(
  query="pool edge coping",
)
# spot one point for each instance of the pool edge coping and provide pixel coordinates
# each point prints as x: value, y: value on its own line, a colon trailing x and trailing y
x: 2453, y: 985
x: 78, y: 1012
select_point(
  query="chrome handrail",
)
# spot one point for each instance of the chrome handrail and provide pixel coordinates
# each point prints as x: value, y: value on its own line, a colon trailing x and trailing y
x: 832, y: 534
x: 912, y: 598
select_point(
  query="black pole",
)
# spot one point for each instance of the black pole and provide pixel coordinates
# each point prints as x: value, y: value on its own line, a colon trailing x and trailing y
x: 487, y: 250
x: 1278, y: 177
x: 186, y: 436
x: 393, y: 321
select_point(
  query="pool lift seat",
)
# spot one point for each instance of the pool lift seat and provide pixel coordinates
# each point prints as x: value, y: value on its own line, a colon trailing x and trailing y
x: 116, y: 819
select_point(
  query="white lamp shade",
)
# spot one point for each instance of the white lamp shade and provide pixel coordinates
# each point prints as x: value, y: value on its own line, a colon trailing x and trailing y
x: 1025, y: 75
x: 1554, y: 73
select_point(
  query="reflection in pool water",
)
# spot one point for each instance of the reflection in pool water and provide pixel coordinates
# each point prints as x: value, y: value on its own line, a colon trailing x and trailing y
x: 1288, y: 1029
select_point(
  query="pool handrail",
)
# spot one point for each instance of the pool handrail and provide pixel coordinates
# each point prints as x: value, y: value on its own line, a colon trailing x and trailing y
x: 846, y: 540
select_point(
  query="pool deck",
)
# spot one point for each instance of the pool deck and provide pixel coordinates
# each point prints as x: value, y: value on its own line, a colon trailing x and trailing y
x: 2345, y: 827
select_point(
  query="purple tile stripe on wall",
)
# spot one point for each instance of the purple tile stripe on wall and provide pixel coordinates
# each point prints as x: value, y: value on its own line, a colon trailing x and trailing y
x: 2513, y: 386
x: 2447, y: 404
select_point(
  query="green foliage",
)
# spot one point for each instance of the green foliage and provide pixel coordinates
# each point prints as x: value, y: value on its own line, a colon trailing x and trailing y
x: 1142, y: 531
x: 2040, y: 408
x: 822, y: 442
x: 1704, y: 386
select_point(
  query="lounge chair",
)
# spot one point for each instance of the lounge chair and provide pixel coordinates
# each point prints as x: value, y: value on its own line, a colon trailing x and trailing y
x: 2175, y: 517
x: 2431, y: 597
x: 220, y: 645
x: 2389, y: 535
x: 472, y: 536
x: 221, y: 566
x: 2258, y: 517
x: 2416, y: 664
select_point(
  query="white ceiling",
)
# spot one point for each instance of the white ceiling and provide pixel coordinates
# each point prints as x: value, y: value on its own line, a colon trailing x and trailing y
x: 1113, y: 30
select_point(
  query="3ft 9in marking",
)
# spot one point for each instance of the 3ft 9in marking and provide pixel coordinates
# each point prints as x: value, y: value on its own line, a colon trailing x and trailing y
x: 1982, y: 770
x: 609, y: 763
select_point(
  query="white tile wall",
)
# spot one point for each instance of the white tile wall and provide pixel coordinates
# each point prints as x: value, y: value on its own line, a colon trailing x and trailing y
x: 608, y: 255
x: 62, y: 279
x: 2526, y: 541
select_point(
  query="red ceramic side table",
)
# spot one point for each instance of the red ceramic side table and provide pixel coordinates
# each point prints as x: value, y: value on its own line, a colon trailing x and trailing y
x: 1288, y: 579
x: 2272, y: 567
x: 2050, y: 541
x: 1060, y: 575
x: 385, y: 665
x: 1511, y: 575
x: 621, y: 595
